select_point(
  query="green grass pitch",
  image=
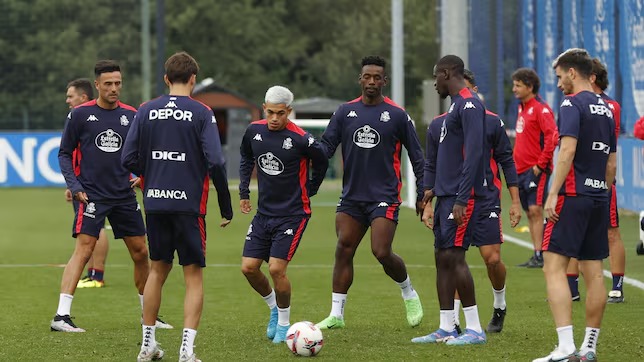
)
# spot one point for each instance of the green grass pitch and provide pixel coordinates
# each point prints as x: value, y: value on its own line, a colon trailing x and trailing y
x: 35, y: 241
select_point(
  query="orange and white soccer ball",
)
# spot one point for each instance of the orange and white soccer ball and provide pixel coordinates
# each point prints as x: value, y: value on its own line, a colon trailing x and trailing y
x: 304, y: 339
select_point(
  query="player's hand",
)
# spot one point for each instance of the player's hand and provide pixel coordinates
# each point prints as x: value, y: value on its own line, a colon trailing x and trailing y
x: 244, y: 206
x: 81, y: 197
x: 420, y: 206
x: 458, y: 211
x: 224, y: 223
x: 428, y: 196
x: 68, y: 195
x: 515, y: 214
x: 535, y: 170
x: 135, y: 182
x: 428, y: 215
x: 550, y: 207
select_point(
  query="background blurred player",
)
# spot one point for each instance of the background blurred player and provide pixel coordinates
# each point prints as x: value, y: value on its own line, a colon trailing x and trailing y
x: 372, y: 130
x: 533, y: 149
x: 454, y: 170
x: 174, y: 143
x: 80, y: 91
x: 577, y: 203
x: 487, y: 233
x: 282, y: 153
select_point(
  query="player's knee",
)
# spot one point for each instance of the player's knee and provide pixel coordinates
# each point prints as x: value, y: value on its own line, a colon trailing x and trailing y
x: 492, y: 260
x: 277, y: 271
x: 381, y: 254
x: 249, y: 270
x: 535, y: 211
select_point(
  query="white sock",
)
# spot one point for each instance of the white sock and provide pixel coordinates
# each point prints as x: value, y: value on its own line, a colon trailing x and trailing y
x: 499, y: 298
x: 187, y: 342
x: 566, y: 341
x: 338, y: 300
x: 408, y: 291
x: 141, y: 300
x: 457, y: 311
x: 447, y: 320
x: 590, y: 341
x: 283, y: 316
x: 149, y: 337
x: 270, y: 299
x: 64, y: 304
x: 472, y: 318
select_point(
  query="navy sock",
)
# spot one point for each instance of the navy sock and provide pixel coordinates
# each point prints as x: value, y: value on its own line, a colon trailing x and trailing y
x: 97, y: 275
x: 537, y: 254
x: 573, y: 283
x: 90, y: 273
x: 618, y: 280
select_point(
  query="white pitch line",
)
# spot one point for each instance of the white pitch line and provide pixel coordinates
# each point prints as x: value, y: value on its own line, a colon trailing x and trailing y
x: 630, y: 281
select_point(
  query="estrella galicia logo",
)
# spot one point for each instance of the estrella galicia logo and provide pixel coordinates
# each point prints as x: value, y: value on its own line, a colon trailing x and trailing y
x: 109, y: 141
x: 366, y: 137
x: 270, y: 164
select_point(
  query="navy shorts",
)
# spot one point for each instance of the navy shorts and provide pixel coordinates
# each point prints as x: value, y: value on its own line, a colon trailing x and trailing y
x: 446, y: 233
x: 125, y: 218
x: 485, y: 228
x: 184, y: 233
x: 366, y: 212
x: 276, y: 237
x: 582, y: 229
x: 532, y: 189
x: 613, y: 214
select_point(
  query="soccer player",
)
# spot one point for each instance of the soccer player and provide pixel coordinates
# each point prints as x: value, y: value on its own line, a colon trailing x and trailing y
x: 372, y: 130
x: 174, y: 144
x: 577, y: 203
x: 533, y: 149
x: 486, y: 232
x: 454, y: 171
x: 80, y: 91
x: 616, y: 251
x: 282, y: 152
x: 89, y: 156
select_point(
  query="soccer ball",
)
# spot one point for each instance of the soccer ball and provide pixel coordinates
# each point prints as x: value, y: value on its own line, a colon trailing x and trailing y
x: 304, y: 339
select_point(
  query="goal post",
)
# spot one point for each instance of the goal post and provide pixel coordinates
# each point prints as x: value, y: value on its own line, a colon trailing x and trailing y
x: 408, y: 193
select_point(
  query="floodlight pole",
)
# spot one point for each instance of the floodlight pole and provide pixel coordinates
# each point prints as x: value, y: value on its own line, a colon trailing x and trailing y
x: 145, y: 50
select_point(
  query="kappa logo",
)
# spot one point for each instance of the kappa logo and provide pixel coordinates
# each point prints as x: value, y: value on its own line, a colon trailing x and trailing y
x: 288, y: 143
x: 352, y: 114
x: 171, y: 104
x: 469, y: 105
x: 532, y: 185
x: 443, y: 132
x: 451, y: 108
x: 250, y: 229
x: 611, y: 106
x: 530, y: 110
x: 384, y: 116
x: 311, y: 140
x: 90, y: 210
x: 566, y: 103
x: 138, y: 207
x: 124, y: 120
x: 288, y: 232
x: 258, y: 137
x: 92, y: 118
x: 493, y: 215
x: 600, y: 101
x: 383, y: 204
x: 545, y: 111
x: 214, y: 120
x: 450, y: 217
